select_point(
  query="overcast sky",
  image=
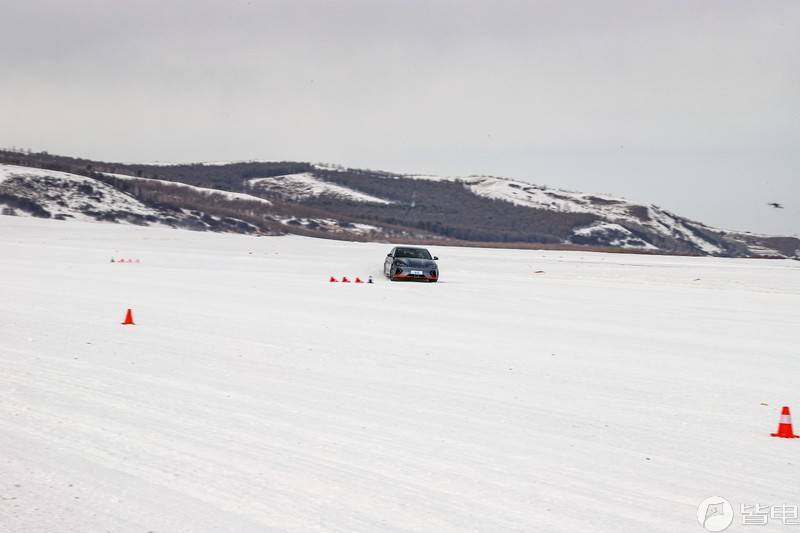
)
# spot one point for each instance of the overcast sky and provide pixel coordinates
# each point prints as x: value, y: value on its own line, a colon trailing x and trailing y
x: 693, y: 105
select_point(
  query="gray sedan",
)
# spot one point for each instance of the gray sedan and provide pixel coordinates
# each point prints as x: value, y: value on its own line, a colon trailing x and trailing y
x: 408, y: 263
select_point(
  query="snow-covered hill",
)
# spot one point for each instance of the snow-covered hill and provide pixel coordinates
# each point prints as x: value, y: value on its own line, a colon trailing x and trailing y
x: 306, y: 185
x: 65, y: 196
x: 334, y: 201
x: 621, y: 223
x: 612, y: 210
x: 26, y: 191
x: 213, y: 193
x: 540, y: 391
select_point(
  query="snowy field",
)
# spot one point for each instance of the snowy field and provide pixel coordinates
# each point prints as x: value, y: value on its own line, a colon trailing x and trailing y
x: 606, y: 393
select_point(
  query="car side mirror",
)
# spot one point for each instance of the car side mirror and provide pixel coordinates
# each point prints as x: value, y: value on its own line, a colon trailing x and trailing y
x: 435, y: 258
x: 388, y: 255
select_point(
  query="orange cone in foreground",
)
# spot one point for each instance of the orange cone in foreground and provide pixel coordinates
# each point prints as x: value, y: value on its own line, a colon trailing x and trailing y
x: 129, y: 319
x: 785, y: 426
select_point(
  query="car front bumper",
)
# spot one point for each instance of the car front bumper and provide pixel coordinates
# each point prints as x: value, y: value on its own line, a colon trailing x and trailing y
x: 408, y: 276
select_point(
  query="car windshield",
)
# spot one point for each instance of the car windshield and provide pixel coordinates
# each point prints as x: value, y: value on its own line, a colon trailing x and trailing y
x: 412, y: 253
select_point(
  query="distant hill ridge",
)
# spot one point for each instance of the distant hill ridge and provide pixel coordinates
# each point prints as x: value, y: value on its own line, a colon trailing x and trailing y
x: 355, y: 204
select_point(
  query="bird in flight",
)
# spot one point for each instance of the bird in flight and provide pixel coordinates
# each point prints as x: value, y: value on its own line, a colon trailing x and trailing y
x: 776, y: 205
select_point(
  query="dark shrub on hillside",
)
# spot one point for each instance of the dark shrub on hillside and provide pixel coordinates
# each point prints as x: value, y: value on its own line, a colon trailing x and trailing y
x: 24, y: 204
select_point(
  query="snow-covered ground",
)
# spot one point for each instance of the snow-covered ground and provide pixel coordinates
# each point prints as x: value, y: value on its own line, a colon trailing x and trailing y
x: 527, y: 391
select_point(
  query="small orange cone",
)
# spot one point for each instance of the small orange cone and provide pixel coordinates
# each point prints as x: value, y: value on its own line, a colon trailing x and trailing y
x: 129, y: 319
x: 358, y: 280
x: 785, y: 426
x: 345, y: 280
x: 333, y: 280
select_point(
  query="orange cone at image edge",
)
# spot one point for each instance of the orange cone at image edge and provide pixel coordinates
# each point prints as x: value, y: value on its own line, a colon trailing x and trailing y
x: 785, y: 426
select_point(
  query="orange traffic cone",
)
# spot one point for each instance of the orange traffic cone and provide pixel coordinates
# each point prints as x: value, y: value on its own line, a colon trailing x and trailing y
x: 358, y: 280
x: 129, y: 319
x: 785, y: 426
x: 333, y: 280
x: 345, y: 280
